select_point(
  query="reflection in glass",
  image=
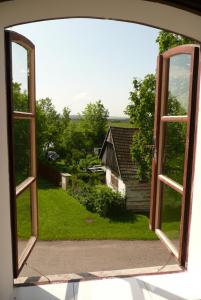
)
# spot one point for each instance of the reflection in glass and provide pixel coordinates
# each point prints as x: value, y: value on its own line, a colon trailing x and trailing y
x: 21, y: 131
x: 171, y: 214
x: 20, y: 78
x: 23, y: 219
x: 179, y: 80
x: 174, y: 151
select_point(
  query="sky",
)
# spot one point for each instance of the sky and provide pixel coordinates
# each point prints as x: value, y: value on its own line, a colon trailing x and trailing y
x: 83, y: 60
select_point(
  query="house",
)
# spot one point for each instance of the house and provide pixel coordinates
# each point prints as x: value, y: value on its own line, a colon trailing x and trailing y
x: 120, y: 169
x: 180, y: 16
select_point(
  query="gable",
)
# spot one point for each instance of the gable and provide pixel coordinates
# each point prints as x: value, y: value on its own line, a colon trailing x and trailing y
x: 116, y: 153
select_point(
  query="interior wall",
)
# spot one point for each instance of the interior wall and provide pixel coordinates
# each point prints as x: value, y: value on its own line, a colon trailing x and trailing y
x: 147, y: 12
x: 194, y: 260
x: 21, y: 11
x: 6, y: 281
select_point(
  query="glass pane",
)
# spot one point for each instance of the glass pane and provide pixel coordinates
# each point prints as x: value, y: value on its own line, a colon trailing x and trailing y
x: 20, y: 78
x: 171, y: 214
x: 21, y: 149
x: 174, y: 151
x: 179, y: 80
x: 23, y: 219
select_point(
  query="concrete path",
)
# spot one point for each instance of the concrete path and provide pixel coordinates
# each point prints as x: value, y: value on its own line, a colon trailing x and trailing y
x: 60, y: 257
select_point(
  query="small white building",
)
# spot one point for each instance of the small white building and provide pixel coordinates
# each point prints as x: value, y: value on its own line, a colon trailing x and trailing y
x: 120, y: 169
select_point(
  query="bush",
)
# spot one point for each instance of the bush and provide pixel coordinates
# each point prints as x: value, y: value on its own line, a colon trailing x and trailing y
x: 105, y: 200
x: 91, y: 178
x: 99, y: 198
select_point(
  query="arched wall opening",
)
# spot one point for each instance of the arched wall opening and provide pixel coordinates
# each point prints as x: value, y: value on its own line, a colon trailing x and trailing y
x: 142, y: 12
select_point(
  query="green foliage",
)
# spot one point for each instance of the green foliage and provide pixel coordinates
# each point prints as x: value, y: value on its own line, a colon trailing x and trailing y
x: 20, y: 98
x: 73, y: 141
x: 94, y: 123
x: 48, y: 127
x: 74, y: 145
x: 99, y: 198
x: 105, y: 200
x: 89, y: 161
x: 167, y: 40
x: 21, y: 130
x: 141, y: 112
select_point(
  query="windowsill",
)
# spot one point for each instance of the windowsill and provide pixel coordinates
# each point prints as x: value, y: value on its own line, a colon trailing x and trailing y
x: 75, y: 277
x: 177, y: 286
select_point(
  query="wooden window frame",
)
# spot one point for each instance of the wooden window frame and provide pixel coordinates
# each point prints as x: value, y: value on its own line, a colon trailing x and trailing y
x: 159, y: 122
x: 30, y: 182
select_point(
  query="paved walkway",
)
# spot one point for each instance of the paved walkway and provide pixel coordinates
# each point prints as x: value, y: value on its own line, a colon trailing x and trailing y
x: 60, y: 257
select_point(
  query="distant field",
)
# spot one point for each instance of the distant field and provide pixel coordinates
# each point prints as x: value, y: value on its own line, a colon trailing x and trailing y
x: 116, y: 123
x: 113, y: 123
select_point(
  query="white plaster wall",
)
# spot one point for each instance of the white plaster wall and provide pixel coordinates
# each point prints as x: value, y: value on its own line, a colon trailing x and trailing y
x: 20, y: 11
x: 6, y: 280
x: 108, y: 177
x: 121, y: 187
x: 194, y: 261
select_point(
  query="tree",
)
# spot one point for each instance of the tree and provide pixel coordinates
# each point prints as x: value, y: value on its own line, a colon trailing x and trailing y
x: 141, y: 113
x: 167, y: 40
x: 21, y: 129
x: 94, y: 123
x: 20, y: 98
x: 48, y: 127
x: 74, y: 146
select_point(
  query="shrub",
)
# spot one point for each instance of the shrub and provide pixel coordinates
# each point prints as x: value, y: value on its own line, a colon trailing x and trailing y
x: 105, y: 200
x: 98, y: 198
x: 91, y: 178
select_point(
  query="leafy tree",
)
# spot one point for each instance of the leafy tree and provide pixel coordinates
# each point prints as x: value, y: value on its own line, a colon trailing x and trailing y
x: 167, y: 40
x: 94, y: 123
x: 20, y: 98
x: 21, y: 131
x: 48, y: 126
x: 141, y: 113
x: 65, y: 118
x: 74, y: 145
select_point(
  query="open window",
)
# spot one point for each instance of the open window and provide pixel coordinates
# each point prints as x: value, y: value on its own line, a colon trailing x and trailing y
x: 20, y: 59
x: 174, y: 131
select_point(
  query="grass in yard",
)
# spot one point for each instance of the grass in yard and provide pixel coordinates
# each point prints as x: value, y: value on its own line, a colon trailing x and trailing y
x: 61, y: 217
x: 171, y: 213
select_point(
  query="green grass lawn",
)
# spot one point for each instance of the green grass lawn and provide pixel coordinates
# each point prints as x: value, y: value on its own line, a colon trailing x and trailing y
x: 61, y: 217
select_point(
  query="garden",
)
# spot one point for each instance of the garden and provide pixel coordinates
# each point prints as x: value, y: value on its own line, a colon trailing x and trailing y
x: 89, y: 209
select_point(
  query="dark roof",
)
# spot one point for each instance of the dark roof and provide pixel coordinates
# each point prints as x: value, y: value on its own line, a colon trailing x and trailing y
x: 121, y: 139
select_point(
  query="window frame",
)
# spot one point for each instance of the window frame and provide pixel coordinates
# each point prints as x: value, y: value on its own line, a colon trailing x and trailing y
x: 159, y: 121
x: 31, y: 181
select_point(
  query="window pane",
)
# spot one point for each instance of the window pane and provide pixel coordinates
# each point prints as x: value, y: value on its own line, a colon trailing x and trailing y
x: 179, y: 80
x: 23, y: 219
x: 22, y: 149
x: 171, y: 214
x: 174, y: 151
x: 20, y: 78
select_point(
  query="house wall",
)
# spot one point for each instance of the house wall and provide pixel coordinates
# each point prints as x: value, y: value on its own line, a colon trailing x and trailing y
x: 158, y: 15
x: 121, y: 186
x: 137, y: 196
x: 108, y: 173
